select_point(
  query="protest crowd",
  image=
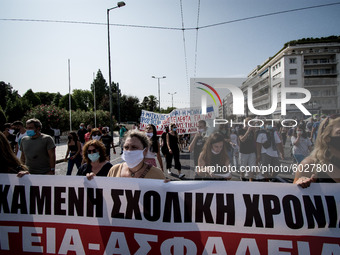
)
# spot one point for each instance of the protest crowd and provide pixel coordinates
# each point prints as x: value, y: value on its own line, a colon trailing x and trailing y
x: 253, y: 150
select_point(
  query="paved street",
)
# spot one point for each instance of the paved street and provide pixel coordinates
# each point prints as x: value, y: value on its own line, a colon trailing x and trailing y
x: 187, y: 163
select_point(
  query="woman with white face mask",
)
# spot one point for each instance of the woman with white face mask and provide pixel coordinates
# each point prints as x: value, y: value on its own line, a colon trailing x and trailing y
x: 95, y: 157
x: 213, y: 161
x: 154, y: 149
x: 96, y: 134
x: 301, y: 144
x: 135, y: 149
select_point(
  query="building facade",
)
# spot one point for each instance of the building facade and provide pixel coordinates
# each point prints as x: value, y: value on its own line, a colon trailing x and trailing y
x: 313, y: 66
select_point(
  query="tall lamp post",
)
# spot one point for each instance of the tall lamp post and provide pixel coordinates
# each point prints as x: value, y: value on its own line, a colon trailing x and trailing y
x: 172, y: 98
x: 119, y: 4
x: 159, y: 91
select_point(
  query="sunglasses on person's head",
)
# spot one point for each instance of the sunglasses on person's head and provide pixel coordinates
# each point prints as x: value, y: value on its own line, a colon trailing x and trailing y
x: 91, y: 151
x: 333, y: 116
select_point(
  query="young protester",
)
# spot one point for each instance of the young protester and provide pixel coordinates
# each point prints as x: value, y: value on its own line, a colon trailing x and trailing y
x: 173, y: 147
x: 213, y: 161
x: 73, y: 153
x: 154, y: 150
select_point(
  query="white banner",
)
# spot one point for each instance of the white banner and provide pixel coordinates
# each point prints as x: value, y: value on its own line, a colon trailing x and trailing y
x: 186, y: 119
x: 66, y: 214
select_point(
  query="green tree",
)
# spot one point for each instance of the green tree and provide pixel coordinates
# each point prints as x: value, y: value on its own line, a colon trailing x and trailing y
x: 64, y: 103
x: 131, y: 108
x: 56, y: 99
x: 45, y: 97
x: 100, y: 87
x: 32, y: 98
x: 16, y: 108
x: 153, y: 102
x: 5, y: 92
x: 83, y: 99
x: 3, y: 118
x: 145, y: 103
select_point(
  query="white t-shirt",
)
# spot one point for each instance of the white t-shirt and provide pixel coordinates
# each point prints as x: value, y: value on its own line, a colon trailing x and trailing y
x: 18, y: 140
x: 302, y: 146
x: 262, y: 138
x: 233, y: 139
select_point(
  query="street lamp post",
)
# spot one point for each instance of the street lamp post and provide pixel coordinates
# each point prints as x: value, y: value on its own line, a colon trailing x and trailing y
x: 172, y: 98
x: 119, y: 4
x: 159, y: 91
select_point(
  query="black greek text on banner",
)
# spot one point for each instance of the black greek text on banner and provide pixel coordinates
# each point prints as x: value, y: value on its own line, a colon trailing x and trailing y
x: 71, y: 215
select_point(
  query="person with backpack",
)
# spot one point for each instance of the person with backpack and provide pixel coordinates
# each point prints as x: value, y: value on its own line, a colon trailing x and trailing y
x: 269, y: 146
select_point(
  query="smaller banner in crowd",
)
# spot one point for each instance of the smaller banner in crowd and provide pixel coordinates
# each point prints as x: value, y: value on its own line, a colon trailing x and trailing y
x: 186, y: 119
x: 72, y: 215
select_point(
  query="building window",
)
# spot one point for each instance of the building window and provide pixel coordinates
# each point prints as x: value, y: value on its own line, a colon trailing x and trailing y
x: 292, y: 71
x: 293, y: 82
x: 292, y: 61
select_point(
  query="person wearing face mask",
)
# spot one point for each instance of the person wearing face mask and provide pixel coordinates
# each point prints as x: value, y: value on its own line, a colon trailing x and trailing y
x: 213, y: 161
x: 96, y: 134
x: 326, y: 154
x: 73, y: 152
x: 154, y: 150
x: 9, y: 133
x: 173, y: 147
x: 95, y: 160
x: 199, y: 140
x: 81, y: 133
x: 135, y: 147
x: 88, y: 134
x: 108, y: 142
x: 38, y: 149
x: 301, y: 144
x: 20, y: 133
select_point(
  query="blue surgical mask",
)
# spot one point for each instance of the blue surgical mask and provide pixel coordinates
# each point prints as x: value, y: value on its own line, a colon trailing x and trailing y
x: 31, y: 132
x: 94, y: 156
x: 174, y: 129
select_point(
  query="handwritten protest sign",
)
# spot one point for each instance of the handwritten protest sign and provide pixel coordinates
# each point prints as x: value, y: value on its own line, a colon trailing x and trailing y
x: 186, y: 119
x: 62, y: 215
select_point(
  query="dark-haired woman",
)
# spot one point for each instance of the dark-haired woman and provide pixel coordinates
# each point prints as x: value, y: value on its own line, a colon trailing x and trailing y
x: 173, y: 146
x: 95, y: 157
x: 213, y: 161
x: 154, y: 150
x: 73, y: 152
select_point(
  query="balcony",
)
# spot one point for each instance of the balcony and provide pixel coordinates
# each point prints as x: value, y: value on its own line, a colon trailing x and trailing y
x: 317, y: 72
x: 320, y: 82
x: 311, y: 62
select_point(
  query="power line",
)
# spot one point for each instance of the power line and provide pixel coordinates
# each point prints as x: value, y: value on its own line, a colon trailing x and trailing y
x: 185, y: 50
x: 172, y: 28
x: 196, y: 44
x: 269, y: 14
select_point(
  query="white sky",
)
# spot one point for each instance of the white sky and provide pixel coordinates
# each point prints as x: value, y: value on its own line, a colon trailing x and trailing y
x: 35, y: 54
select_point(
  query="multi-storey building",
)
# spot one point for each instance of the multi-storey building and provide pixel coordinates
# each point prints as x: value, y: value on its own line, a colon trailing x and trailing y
x: 305, y: 64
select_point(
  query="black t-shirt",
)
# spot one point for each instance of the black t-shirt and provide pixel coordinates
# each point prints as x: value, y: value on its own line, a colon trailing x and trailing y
x: 248, y: 146
x: 81, y: 135
x: 85, y: 168
x: 11, y: 140
x: 107, y: 141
